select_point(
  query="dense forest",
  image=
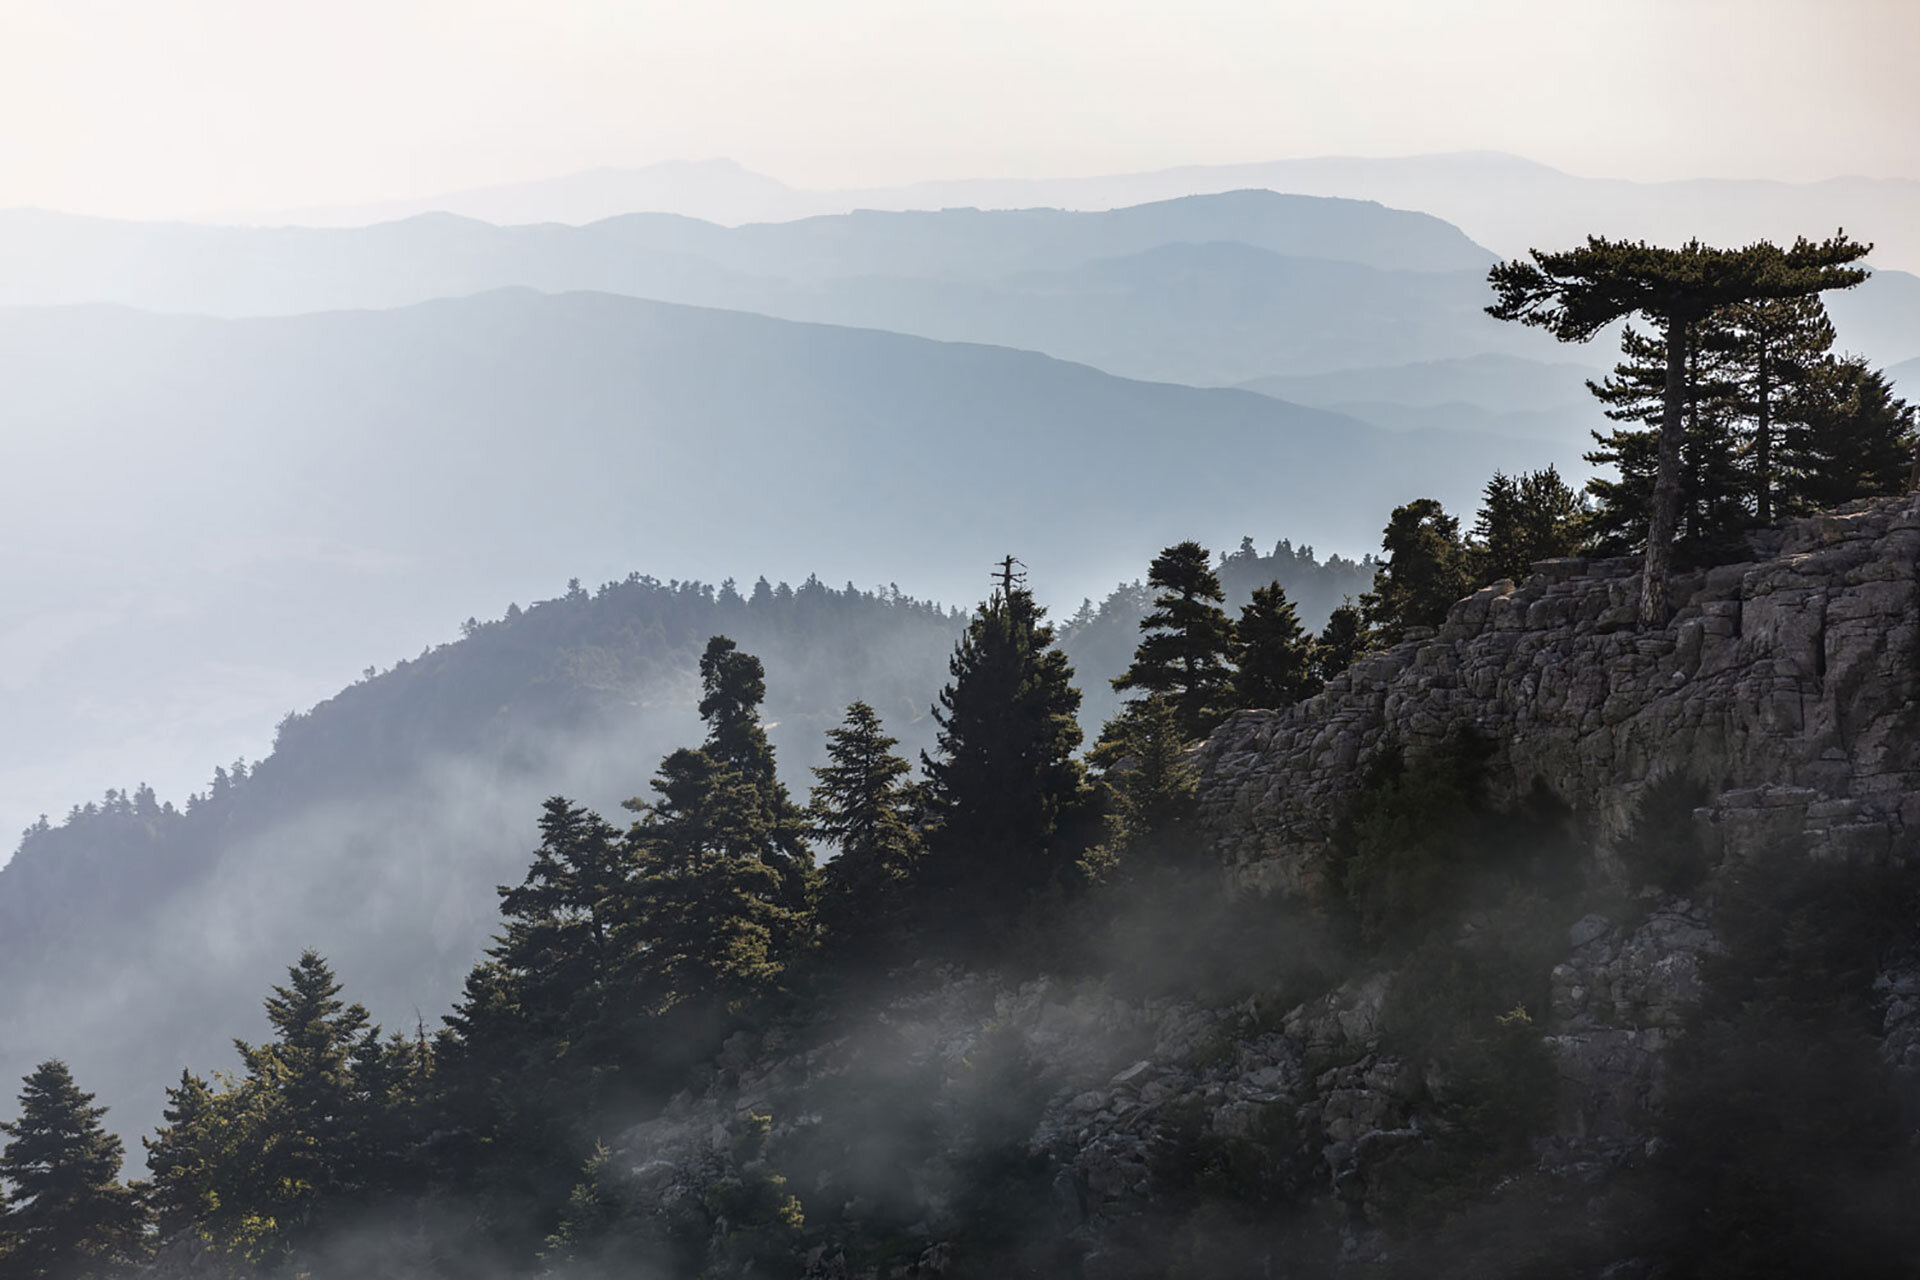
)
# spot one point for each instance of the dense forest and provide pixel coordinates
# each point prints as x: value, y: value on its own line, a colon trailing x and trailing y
x: 629, y: 954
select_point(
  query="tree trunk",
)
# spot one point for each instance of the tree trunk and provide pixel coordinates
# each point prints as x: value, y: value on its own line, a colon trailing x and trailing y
x: 1763, y: 439
x: 1666, y: 483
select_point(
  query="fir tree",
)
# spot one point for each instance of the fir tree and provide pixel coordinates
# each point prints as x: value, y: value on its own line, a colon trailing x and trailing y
x: 67, y: 1215
x: 733, y: 685
x: 712, y: 924
x: 1577, y: 293
x: 1152, y: 783
x: 1772, y: 349
x: 1851, y: 438
x: 1522, y: 520
x: 1003, y: 790
x: 1187, y: 643
x: 1341, y: 642
x: 1274, y: 654
x: 861, y: 805
x: 1424, y: 572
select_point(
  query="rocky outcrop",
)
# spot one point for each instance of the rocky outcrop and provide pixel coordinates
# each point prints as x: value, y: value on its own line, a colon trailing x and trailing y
x: 1785, y: 683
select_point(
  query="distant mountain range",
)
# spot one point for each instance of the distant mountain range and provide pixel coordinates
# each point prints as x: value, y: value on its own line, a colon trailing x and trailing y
x: 1503, y: 201
x: 231, y: 517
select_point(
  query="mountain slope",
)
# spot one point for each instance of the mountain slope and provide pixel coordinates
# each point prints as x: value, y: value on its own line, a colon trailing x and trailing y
x: 232, y: 518
x: 1504, y: 201
x: 54, y: 259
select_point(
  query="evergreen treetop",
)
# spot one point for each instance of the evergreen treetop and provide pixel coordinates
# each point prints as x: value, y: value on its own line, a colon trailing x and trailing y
x: 1186, y: 645
x: 67, y: 1215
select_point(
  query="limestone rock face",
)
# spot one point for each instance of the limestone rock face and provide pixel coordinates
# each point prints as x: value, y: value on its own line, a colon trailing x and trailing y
x: 1786, y: 684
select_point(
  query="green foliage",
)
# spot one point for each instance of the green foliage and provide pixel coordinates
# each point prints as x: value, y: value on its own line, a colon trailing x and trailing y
x: 862, y: 803
x: 1150, y: 782
x: 1663, y: 845
x: 1576, y: 293
x: 1005, y: 796
x: 321, y: 1123
x: 1346, y: 638
x: 1273, y: 654
x: 64, y: 1213
x: 1524, y: 519
x: 1848, y: 437
x: 1784, y: 1133
x: 1187, y: 642
x: 1413, y: 842
x: 1425, y: 571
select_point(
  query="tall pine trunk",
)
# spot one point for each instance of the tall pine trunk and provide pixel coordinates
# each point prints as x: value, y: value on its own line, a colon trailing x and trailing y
x: 1666, y: 483
x: 1763, y: 439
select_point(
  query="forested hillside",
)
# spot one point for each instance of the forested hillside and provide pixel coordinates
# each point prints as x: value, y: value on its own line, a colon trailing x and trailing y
x: 131, y: 927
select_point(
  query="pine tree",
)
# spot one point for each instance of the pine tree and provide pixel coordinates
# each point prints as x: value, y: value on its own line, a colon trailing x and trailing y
x: 1342, y: 642
x: 1187, y: 642
x: 1152, y: 783
x: 733, y: 685
x: 1003, y: 790
x: 1713, y: 502
x: 67, y: 1215
x: 1772, y: 348
x: 712, y: 924
x: 1274, y: 654
x: 1577, y: 293
x: 861, y: 804
x: 1423, y: 574
x: 181, y: 1188
x: 1851, y: 437
x: 1522, y: 520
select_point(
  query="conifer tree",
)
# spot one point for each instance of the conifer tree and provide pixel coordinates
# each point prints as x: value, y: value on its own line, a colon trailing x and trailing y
x: 1187, y: 641
x: 1003, y: 790
x: 1274, y: 653
x: 861, y: 804
x: 733, y: 685
x: 712, y: 924
x: 1851, y: 437
x: 1425, y: 571
x: 1344, y: 639
x: 1771, y: 349
x: 65, y: 1214
x: 1523, y: 519
x: 180, y: 1191
x: 1152, y: 783
x: 1577, y: 293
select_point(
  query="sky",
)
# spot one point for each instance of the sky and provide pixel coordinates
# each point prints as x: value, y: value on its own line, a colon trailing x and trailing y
x: 132, y: 108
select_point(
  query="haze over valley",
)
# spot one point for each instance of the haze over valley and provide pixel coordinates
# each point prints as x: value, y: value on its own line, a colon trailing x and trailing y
x: 1111, y: 660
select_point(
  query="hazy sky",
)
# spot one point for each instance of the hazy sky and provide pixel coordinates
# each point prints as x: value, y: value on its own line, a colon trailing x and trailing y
x: 149, y: 107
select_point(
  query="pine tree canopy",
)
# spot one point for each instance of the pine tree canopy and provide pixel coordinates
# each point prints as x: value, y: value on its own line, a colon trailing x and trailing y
x: 1424, y: 572
x: 1523, y: 519
x: 1004, y: 775
x: 861, y: 804
x: 1576, y: 293
x: 1187, y: 641
x: 1341, y: 642
x: 66, y: 1214
x: 1275, y: 654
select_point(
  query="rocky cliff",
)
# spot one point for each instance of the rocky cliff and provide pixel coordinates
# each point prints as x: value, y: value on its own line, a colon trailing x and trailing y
x: 1782, y: 686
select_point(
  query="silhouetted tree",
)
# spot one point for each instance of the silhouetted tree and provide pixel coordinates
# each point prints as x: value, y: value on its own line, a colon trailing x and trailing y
x: 1274, y: 654
x: 65, y: 1214
x: 1521, y: 520
x: 861, y: 804
x: 1576, y: 293
x: 1003, y: 788
x: 1186, y: 647
x: 1424, y: 572
x: 1343, y: 640
x: 1850, y: 437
